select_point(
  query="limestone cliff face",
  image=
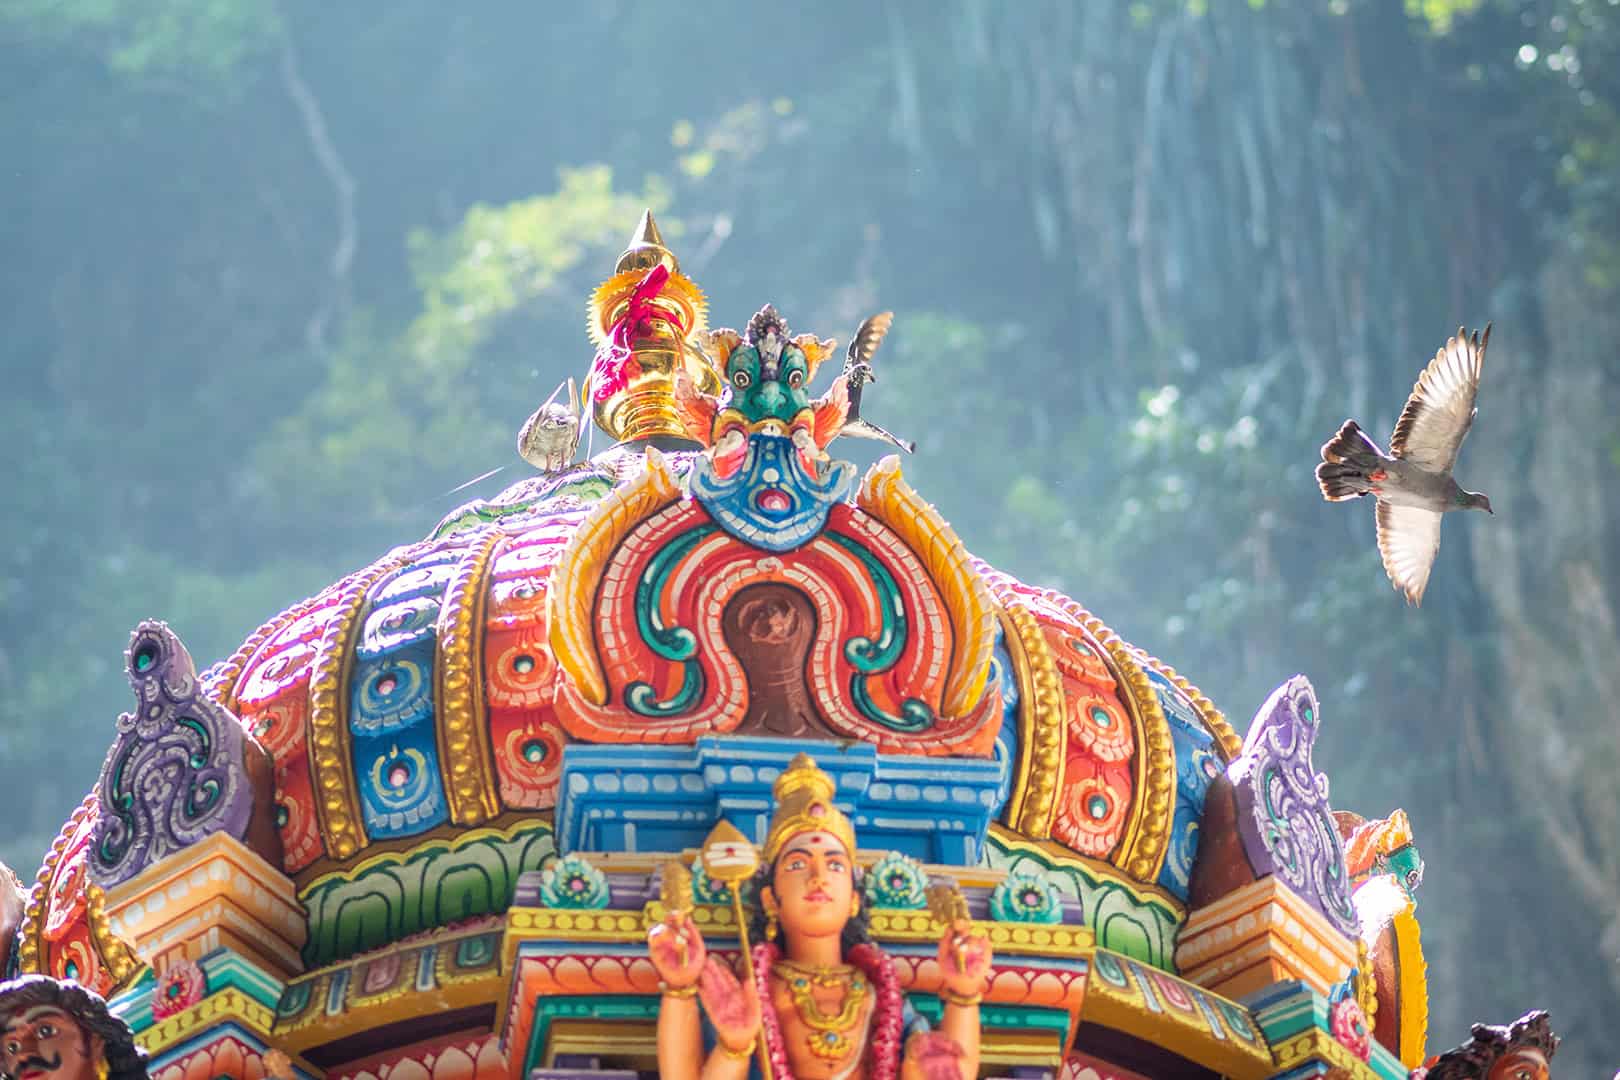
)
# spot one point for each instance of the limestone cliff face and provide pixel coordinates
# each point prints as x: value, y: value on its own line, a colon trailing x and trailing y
x: 1549, y: 585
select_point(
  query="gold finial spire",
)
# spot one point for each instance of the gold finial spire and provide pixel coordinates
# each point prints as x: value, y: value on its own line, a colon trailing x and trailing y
x: 646, y: 321
x: 646, y: 248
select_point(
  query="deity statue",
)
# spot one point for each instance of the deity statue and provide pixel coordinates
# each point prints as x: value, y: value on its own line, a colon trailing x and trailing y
x: 52, y: 1030
x: 1522, y: 1051
x: 832, y: 1006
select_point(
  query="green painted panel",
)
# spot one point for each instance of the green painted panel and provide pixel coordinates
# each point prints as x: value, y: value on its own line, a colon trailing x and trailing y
x: 1143, y: 929
x: 438, y: 883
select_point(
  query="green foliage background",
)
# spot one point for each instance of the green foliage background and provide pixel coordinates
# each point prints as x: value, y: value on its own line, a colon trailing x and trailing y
x: 276, y: 277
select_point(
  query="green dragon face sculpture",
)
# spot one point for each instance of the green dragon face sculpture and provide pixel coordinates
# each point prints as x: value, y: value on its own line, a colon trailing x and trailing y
x: 767, y: 394
x: 767, y: 381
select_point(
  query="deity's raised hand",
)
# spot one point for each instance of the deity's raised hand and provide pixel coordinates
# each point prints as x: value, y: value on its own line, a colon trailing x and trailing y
x: 733, y: 1008
x: 931, y: 1055
x: 964, y: 959
x: 676, y: 950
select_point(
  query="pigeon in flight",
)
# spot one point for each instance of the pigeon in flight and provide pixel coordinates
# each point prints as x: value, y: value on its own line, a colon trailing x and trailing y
x: 1413, y: 483
x: 858, y: 372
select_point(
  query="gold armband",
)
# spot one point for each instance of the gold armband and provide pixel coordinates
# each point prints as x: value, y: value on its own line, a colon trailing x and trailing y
x: 677, y: 991
x: 738, y: 1055
x: 950, y: 997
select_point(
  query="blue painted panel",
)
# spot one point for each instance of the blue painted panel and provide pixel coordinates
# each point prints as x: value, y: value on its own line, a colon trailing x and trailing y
x: 1197, y: 764
x: 397, y: 776
x: 665, y: 798
x: 1002, y: 674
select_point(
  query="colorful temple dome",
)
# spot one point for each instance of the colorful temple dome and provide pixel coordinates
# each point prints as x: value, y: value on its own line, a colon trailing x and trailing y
x: 526, y: 711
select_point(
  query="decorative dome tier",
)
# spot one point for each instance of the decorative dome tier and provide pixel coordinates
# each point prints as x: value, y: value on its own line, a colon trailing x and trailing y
x: 427, y: 805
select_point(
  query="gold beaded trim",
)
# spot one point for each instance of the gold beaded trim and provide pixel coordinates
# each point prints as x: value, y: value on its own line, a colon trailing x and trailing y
x: 1366, y: 983
x: 337, y: 805
x: 212, y: 1011
x: 1142, y: 848
x: 1226, y: 738
x: 571, y: 924
x: 1039, y: 770
x: 230, y: 683
x: 31, y: 952
x: 120, y: 959
x: 114, y: 953
x: 888, y: 926
x: 1317, y: 1045
x: 464, y: 758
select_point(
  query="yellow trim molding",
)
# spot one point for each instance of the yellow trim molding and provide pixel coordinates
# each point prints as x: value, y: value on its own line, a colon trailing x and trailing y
x: 572, y: 591
x: 461, y: 728
x: 886, y: 496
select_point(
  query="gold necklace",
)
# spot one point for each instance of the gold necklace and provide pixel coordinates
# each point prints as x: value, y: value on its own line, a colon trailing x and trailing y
x: 829, y: 1035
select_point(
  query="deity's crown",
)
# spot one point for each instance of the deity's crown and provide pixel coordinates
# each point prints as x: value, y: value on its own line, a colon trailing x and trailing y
x: 804, y: 802
x: 660, y: 328
x: 1375, y: 838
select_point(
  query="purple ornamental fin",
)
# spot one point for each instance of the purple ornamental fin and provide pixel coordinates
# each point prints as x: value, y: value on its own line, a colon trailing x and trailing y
x: 1283, y: 815
x: 181, y: 768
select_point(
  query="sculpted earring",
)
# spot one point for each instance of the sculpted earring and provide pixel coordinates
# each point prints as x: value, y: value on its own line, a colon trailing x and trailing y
x: 770, y: 924
x: 103, y: 1070
x: 854, y: 906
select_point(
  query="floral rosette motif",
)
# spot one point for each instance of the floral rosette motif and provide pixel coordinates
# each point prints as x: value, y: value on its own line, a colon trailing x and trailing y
x: 897, y: 881
x: 1026, y: 898
x: 706, y: 890
x: 1347, y: 1022
x: 571, y: 882
x: 177, y: 989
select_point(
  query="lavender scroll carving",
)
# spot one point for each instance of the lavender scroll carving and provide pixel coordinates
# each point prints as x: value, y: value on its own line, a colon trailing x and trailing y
x: 1283, y: 816
x: 182, y: 768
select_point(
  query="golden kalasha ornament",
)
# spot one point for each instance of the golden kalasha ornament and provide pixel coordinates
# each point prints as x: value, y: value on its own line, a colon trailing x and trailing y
x: 646, y: 322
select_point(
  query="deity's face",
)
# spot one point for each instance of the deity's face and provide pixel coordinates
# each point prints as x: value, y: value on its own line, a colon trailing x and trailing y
x: 813, y: 885
x: 45, y: 1043
x: 1524, y: 1063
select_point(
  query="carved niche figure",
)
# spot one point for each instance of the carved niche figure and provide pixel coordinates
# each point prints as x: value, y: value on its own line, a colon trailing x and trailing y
x: 1523, y: 1051
x: 833, y: 1005
x: 52, y: 1030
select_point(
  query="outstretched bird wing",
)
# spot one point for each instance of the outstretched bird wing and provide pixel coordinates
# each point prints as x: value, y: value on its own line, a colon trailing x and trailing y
x: 1441, y: 409
x: 1408, y: 539
x: 867, y: 339
x: 862, y: 347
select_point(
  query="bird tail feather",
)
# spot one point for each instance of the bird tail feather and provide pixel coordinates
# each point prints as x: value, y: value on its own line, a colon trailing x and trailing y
x: 1348, y: 459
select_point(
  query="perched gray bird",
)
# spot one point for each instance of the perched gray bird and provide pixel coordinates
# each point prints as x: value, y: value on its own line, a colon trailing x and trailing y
x: 549, y: 438
x: 1413, y: 483
x: 858, y: 372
